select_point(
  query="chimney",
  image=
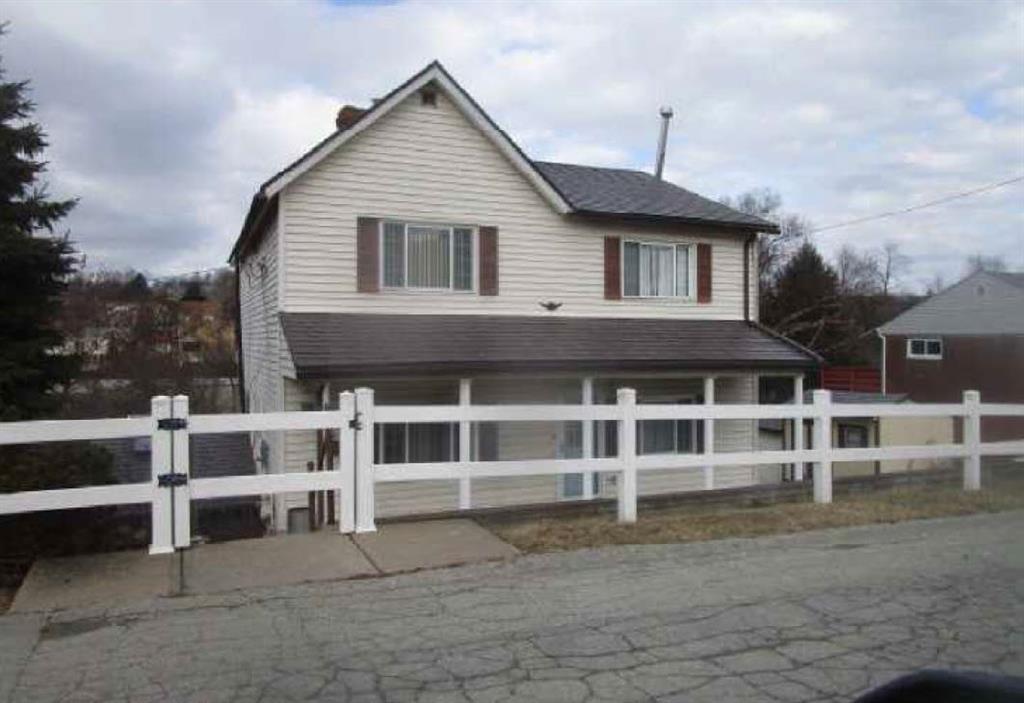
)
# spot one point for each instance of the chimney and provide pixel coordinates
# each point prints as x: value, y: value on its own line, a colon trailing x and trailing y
x: 666, y: 115
x: 348, y: 116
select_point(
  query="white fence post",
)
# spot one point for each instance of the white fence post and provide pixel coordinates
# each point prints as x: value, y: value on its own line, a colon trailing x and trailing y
x: 182, y: 495
x: 347, y: 462
x: 465, y: 444
x: 160, y: 462
x: 364, y: 461
x: 709, y: 432
x: 972, y: 441
x: 823, y: 445
x: 627, y: 454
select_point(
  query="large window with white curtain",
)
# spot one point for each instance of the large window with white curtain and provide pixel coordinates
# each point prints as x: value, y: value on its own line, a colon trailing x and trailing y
x: 658, y: 270
x: 426, y: 257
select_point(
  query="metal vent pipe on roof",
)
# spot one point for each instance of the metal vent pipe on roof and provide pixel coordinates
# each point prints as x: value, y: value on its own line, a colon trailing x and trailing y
x: 666, y: 115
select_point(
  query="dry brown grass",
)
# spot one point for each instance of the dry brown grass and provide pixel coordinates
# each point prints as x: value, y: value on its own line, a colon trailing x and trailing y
x: 695, y: 523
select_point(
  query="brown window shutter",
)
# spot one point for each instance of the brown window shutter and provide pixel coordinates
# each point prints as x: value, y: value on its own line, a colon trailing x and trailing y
x: 703, y: 273
x: 612, y: 269
x: 367, y: 254
x: 488, y: 261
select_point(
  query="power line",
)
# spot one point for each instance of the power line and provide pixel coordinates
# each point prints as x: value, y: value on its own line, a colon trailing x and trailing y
x: 920, y: 206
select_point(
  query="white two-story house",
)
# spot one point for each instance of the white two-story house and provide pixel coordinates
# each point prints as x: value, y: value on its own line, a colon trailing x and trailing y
x: 419, y: 252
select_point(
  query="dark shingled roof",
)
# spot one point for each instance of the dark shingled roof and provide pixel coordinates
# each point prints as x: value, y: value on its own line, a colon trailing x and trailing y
x: 343, y: 344
x: 625, y: 193
x: 1014, y: 278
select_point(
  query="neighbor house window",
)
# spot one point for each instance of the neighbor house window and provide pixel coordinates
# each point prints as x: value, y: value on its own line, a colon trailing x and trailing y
x: 853, y: 436
x: 653, y: 270
x: 426, y: 257
x: 924, y: 348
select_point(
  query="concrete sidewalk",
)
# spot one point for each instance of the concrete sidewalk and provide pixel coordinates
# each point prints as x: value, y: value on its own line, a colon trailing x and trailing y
x: 116, y: 578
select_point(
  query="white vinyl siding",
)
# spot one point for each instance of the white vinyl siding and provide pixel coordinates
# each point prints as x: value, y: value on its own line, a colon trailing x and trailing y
x: 422, y: 164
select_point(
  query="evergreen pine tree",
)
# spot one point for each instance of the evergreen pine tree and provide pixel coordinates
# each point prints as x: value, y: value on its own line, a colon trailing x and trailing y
x: 34, y: 266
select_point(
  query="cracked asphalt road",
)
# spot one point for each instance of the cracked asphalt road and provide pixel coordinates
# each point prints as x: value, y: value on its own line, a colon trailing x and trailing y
x: 811, y: 617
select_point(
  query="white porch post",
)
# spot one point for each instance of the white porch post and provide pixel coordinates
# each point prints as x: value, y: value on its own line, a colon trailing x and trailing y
x: 798, y: 426
x: 465, y: 443
x: 587, y: 398
x: 709, y: 432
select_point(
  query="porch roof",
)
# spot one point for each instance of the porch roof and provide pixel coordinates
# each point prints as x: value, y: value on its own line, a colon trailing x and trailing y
x: 326, y: 345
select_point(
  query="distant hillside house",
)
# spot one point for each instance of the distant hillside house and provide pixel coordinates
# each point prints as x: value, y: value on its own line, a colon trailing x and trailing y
x: 968, y: 337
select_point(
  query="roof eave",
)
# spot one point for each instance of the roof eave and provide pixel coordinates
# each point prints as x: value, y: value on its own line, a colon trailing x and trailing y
x: 259, y: 209
x: 767, y: 227
x: 308, y: 372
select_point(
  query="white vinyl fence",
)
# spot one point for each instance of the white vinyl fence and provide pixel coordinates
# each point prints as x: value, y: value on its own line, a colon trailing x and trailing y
x: 171, y: 489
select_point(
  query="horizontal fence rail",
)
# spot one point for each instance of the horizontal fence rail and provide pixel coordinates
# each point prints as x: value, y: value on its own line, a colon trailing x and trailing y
x: 35, y: 431
x: 352, y: 427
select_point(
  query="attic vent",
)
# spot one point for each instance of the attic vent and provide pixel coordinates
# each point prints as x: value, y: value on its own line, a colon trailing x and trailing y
x: 428, y: 96
x: 980, y: 291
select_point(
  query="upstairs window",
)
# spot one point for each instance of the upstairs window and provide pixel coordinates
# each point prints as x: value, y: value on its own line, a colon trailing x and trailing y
x: 426, y: 257
x: 655, y: 270
x: 924, y: 348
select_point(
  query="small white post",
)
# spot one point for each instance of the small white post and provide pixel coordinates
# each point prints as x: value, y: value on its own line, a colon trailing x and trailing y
x: 587, y: 399
x: 465, y: 443
x: 347, y: 462
x: 627, y: 454
x: 972, y: 441
x: 709, y: 432
x: 798, y: 426
x: 182, y: 494
x: 160, y: 462
x: 364, y: 461
x: 823, y: 445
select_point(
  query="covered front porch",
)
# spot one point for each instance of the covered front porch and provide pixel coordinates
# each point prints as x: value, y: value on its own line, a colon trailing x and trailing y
x: 496, y: 360
x: 498, y: 441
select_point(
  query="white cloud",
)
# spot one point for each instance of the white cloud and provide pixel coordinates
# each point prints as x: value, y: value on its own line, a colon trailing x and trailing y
x: 165, y: 117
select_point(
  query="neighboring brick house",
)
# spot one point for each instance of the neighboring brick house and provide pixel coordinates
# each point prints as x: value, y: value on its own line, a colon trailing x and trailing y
x: 420, y: 252
x: 968, y: 337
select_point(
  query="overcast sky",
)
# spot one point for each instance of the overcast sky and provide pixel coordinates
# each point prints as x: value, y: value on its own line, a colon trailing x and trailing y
x: 164, y: 117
